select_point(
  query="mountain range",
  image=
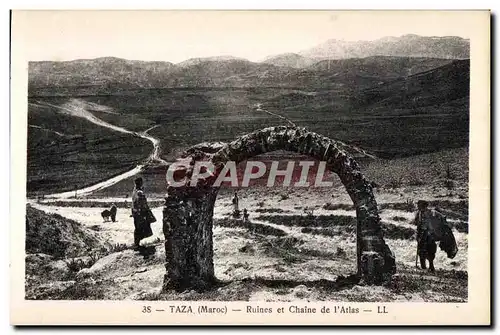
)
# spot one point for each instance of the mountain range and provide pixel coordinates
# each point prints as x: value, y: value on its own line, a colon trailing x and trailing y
x: 405, y: 46
x: 328, y: 65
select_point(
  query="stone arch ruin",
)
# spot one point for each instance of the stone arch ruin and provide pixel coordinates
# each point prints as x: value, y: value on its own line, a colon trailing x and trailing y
x: 188, y: 211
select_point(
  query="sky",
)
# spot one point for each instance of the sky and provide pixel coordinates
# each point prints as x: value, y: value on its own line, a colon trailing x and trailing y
x: 179, y: 35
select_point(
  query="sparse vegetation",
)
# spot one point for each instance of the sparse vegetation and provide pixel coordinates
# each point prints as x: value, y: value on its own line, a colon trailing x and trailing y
x: 309, y: 220
x: 395, y: 182
x: 253, y: 227
x: 449, y: 184
x: 415, y: 180
x: 449, y: 178
x: 117, y: 247
x: 410, y: 205
x: 99, y: 204
x: 461, y: 226
x: 284, y: 196
x: 309, y: 211
x: 77, y: 264
x: 333, y: 207
x: 55, y: 235
x: 270, y: 210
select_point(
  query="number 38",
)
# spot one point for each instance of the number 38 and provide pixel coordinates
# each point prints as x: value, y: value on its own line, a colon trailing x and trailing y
x: 146, y: 309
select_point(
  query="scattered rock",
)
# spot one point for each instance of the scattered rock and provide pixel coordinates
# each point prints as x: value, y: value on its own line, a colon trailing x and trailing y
x: 340, y: 252
x: 247, y: 248
x: 141, y: 270
x: 144, y: 295
x: 301, y: 291
x: 84, y: 273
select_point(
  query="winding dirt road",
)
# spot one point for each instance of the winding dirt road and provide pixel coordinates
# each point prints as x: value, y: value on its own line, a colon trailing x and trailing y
x: 260, y: 109
x: 78, y: 108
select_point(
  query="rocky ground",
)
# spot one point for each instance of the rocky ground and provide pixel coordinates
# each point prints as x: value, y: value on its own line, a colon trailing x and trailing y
x: 299, y: 243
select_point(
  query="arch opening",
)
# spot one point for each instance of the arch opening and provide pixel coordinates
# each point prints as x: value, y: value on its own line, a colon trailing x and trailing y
x: 188, y: 211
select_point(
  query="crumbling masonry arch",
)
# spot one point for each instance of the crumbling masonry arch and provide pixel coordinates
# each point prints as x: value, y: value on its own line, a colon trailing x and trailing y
x: 188, y: 211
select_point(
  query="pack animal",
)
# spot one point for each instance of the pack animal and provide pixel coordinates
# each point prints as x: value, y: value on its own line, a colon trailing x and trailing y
x: 106, y: 215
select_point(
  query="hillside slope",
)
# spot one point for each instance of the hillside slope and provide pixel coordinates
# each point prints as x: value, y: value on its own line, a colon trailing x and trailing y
x: 106, y: 76
x: 422, y: 113
x: 438, y: 85
x: 65, y: 151
x: 57, y: 236
x: 382, y: 67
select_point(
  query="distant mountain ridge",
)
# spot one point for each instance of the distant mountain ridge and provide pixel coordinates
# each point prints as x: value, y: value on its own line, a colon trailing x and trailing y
x: 451, y: 47
x: 98, y: 71
x: 95, y: 77
x: 348, y: 63
x: 291, y: 60
x: 200, y: 60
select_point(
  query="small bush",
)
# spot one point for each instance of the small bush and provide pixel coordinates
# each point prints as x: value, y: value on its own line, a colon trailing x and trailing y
x: 395, y: 232
x: 449, y: 184
x: 270, y: 210
x: 117, y: 247
x: 310, y: 221
x: 414, y: 180
x: 462, y: 226
x: 284, y: 196
x: 395, y: 183
x: 254, y: 227
x: 75, y: 265
x: 309, y: 211
x: 340, y: 252
x: 410, y: 205
x: 332, y: 207
x: 290, y: 258
x: 449, y: 174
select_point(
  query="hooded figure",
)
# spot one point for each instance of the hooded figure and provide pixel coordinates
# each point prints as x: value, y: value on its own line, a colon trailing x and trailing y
x: 140, y: 208
x: 431, y: 229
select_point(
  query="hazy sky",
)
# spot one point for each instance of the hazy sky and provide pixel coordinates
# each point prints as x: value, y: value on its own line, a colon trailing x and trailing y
x: 178, y: 35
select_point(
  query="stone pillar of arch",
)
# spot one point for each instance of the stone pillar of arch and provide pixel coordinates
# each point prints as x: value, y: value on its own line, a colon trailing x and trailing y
x: 188, y: 211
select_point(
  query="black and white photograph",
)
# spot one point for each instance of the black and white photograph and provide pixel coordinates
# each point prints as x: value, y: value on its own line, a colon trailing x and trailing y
x: 291, y: 157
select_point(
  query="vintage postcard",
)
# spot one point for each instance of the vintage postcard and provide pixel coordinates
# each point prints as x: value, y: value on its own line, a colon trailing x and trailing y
x: 320, y: 167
